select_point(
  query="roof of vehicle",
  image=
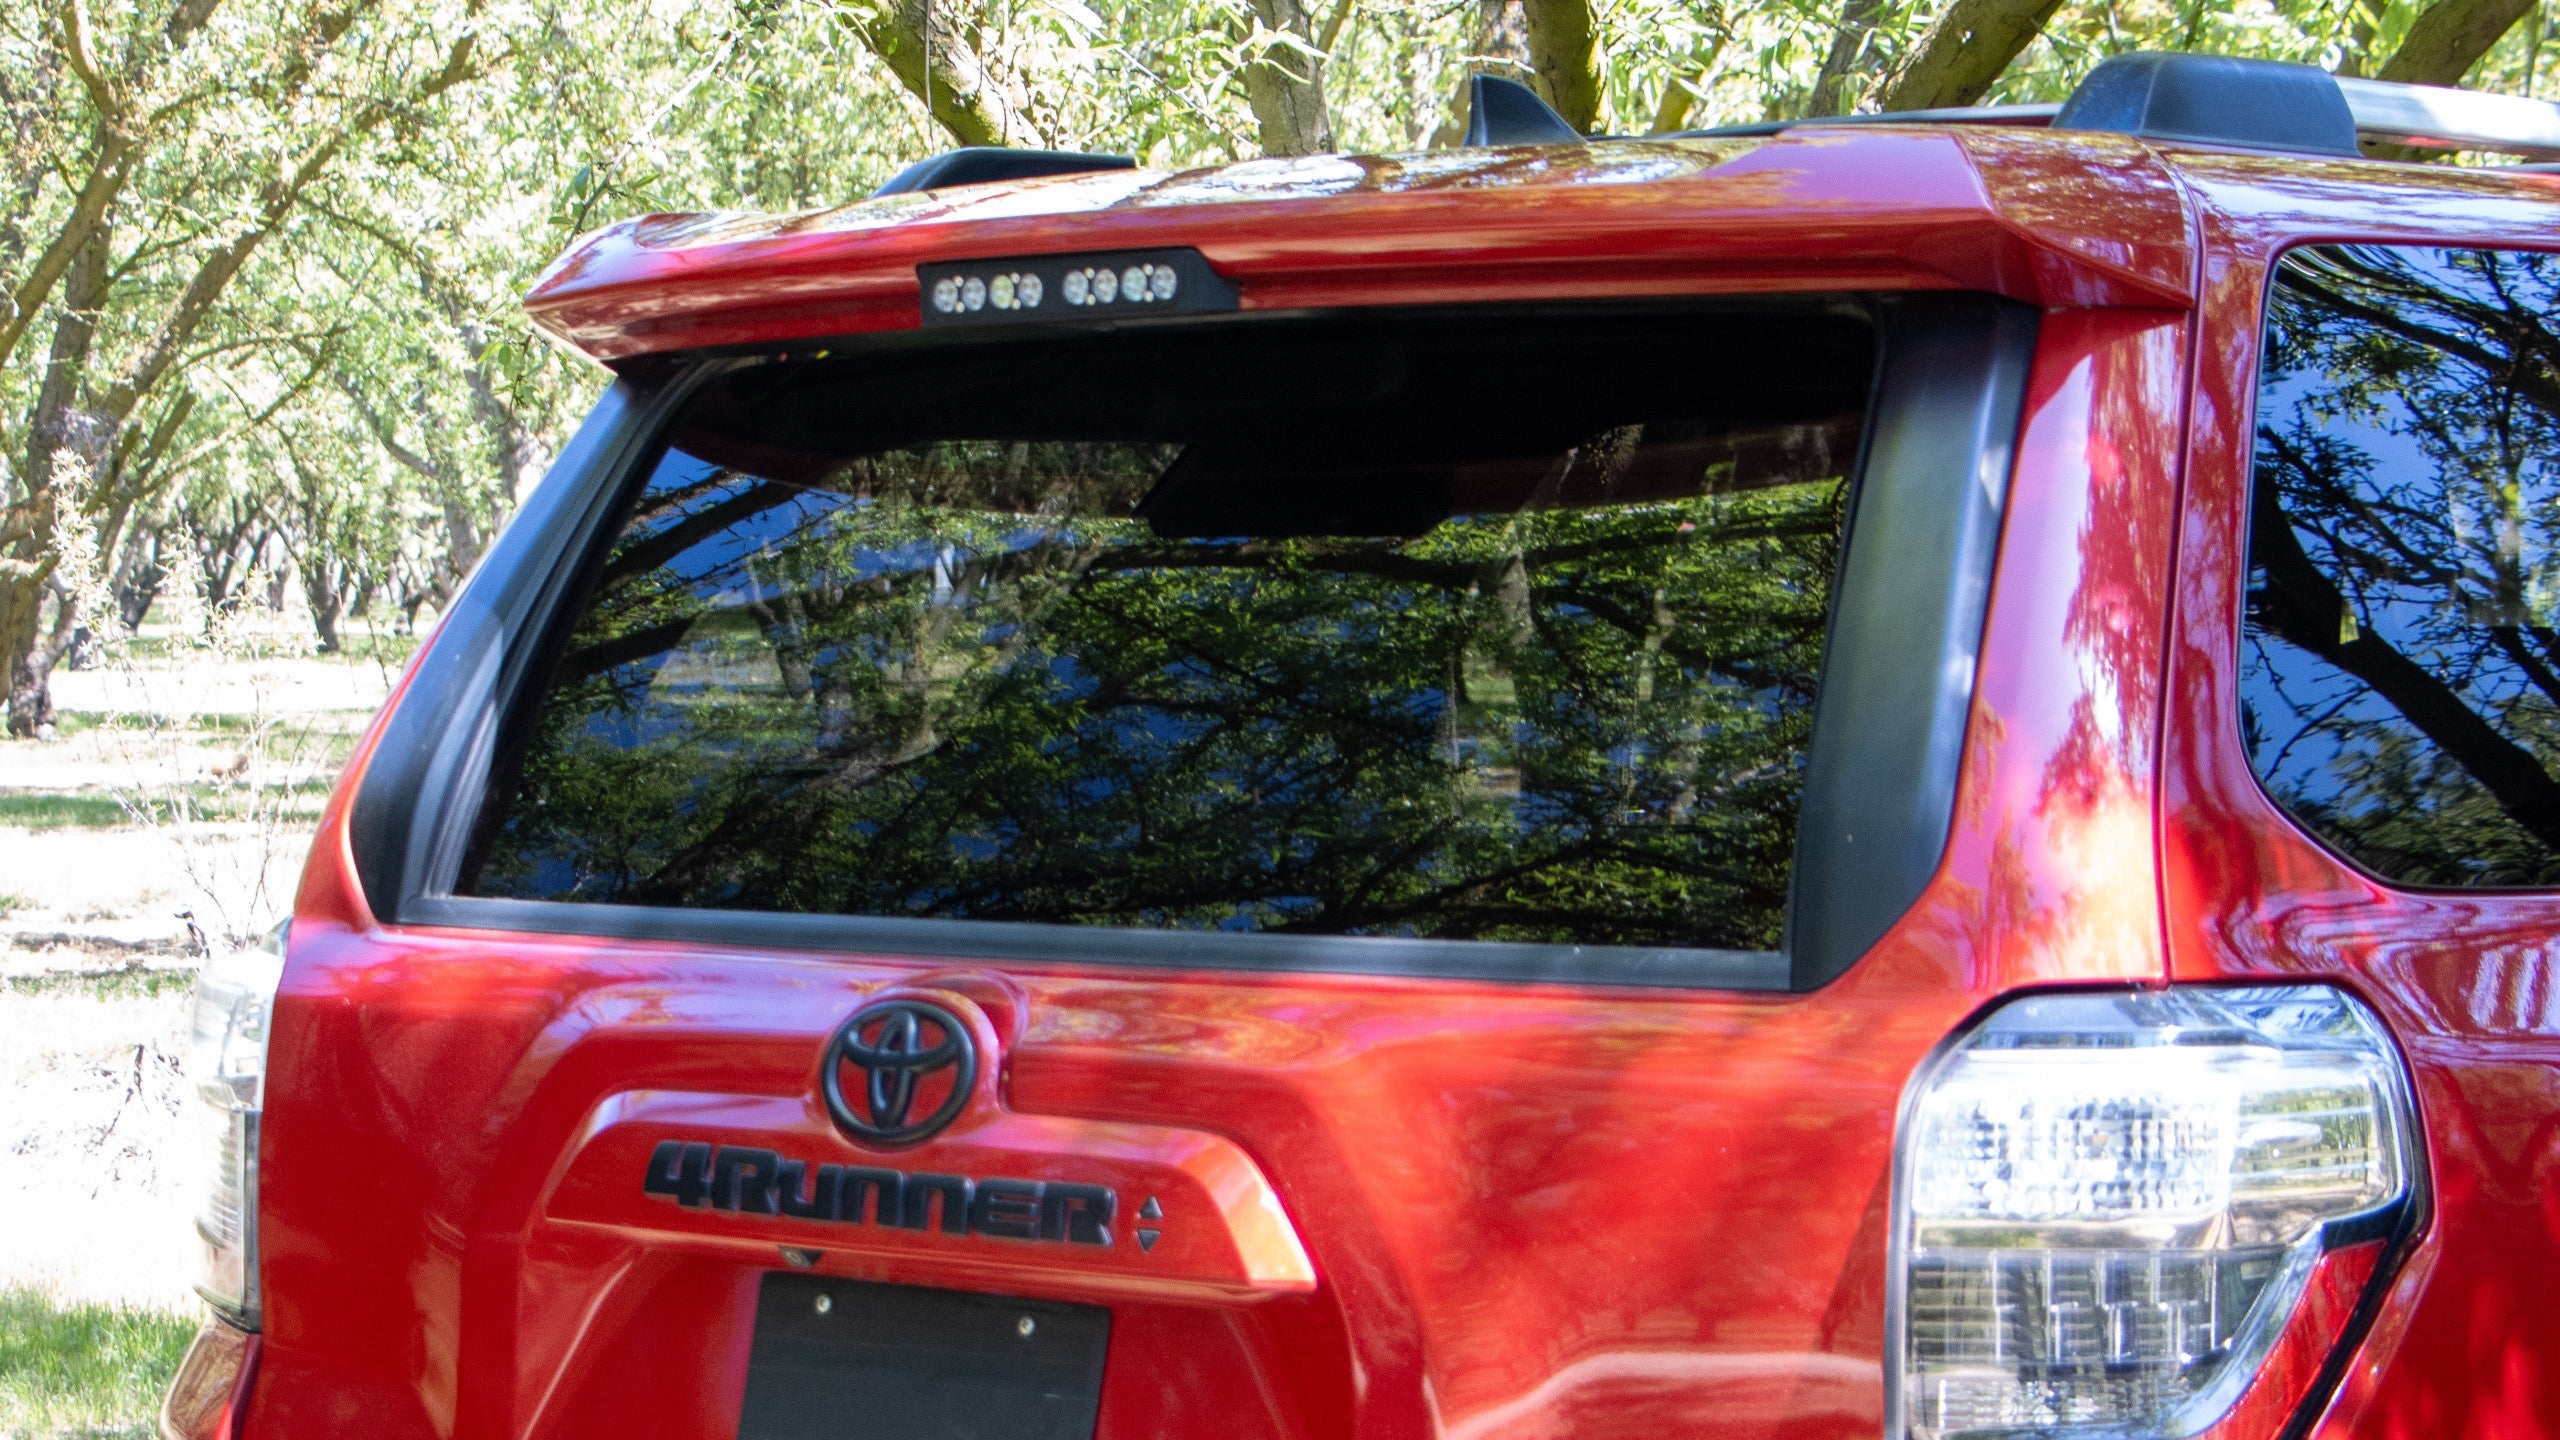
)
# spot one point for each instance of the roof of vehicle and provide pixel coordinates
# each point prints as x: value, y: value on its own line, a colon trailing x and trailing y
x: 2053, y: 218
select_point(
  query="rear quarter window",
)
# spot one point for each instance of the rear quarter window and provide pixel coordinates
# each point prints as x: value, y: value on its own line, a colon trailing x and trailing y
x: 1424, y: 628
x: 2400, y: 666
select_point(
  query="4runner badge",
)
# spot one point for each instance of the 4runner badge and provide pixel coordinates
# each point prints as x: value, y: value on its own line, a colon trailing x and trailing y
x: 759, y: 1182
x: 893, y: 1075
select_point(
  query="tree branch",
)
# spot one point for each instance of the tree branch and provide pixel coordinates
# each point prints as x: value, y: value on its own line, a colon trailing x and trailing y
x: 1966, y: 51
x: 107, y: 175
x: 1680, y: 96
x: 2448, y: 38
x: 76, y: 50
x: 1564, y: 55
x: 937, y: 66
x: 1835, y: 89
x: 1284, y: 83
x: 215, y: 274
x: 1333, y: 24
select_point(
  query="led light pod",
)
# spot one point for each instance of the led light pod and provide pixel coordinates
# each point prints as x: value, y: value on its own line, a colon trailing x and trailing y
x: 2110, y: 1203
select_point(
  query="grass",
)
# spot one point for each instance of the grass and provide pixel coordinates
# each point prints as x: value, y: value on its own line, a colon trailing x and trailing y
x: 357, y: 645
x: 132, y: 982
x: 54, y: 810
x: 98, y: 810
x: 378, y: 647
x: 84, y: 1370
x: 74, y: 722
x: 12, y: 904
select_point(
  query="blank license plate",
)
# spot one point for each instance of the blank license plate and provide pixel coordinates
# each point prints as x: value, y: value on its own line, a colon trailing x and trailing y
x: 840, y: 1358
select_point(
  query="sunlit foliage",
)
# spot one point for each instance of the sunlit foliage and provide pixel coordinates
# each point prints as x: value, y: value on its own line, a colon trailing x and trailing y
x: 287, y: 364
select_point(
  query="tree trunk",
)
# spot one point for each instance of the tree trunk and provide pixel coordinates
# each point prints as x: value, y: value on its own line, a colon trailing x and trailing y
x: 1284, y: 83
x: 30, y: 694
x: 321, y: 590
x: 938, y: 66
x: 1679, y: 95
x: 2442, y: 45
x: 1837, y: 90
x: 87, y: 652
x: 1500, y: 43
x: 1966, y: 51
x: 61, y: 437
x: 1564, y: 54
x: 139, y: 576
x: 2450, y: 37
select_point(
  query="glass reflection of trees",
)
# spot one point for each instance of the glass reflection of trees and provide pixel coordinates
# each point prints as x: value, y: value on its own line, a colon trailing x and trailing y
x: 1564, y: 699
x: 2401, y: 676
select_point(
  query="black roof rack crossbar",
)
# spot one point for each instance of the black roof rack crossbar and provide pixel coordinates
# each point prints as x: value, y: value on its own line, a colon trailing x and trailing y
x: 2264, y: 105
x: 978, y: 164
x: 2212, y: 99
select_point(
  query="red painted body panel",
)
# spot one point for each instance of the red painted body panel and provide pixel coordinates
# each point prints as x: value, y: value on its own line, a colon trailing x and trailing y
x: 2469, y: 1342
x: 1493, y: 1211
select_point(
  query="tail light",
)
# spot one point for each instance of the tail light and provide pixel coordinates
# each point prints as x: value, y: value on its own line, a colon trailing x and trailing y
x: 227, y: 1062
x: 2110, y: 1204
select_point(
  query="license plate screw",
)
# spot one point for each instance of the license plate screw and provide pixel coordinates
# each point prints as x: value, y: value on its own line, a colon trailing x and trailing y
x: 1024, y: 1326
x: 825, y: 1303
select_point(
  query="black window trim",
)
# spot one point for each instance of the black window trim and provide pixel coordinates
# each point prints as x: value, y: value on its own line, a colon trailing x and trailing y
x: 1879, y: 800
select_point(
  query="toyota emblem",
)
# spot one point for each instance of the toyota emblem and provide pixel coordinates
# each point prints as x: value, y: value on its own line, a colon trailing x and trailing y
x: 898, y: 1071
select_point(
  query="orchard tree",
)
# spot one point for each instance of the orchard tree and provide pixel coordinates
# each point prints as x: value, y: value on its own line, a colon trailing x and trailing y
x: 171, y: 150
x: 259, y: 259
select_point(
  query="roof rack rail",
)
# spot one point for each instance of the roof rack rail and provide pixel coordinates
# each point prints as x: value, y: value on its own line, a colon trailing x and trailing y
x: 978, y: 164
x: 2214, y: 100
x: 2258, y: 104
x: 2433, y: 117
x: 1949, y: 115
x: 2262, y: 104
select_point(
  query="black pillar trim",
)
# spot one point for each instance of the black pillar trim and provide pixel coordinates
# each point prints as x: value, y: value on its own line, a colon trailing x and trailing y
x: 1906, y: 627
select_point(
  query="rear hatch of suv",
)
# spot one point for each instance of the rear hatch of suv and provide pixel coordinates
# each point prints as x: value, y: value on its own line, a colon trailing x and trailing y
x: 1229, y: 870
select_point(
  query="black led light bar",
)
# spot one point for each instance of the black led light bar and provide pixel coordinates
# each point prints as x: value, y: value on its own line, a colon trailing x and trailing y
x: 1049, y: 289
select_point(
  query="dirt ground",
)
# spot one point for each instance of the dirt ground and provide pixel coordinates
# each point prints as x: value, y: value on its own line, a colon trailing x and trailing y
x: 172, y: 809
x: 106, y: 1168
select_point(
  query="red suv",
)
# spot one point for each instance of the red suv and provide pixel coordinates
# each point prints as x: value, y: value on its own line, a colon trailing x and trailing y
x: 1830, y: 780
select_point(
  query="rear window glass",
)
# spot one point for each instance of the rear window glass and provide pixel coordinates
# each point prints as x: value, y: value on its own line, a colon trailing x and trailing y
x: 1462, y: 629
x: 2400, y: 678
